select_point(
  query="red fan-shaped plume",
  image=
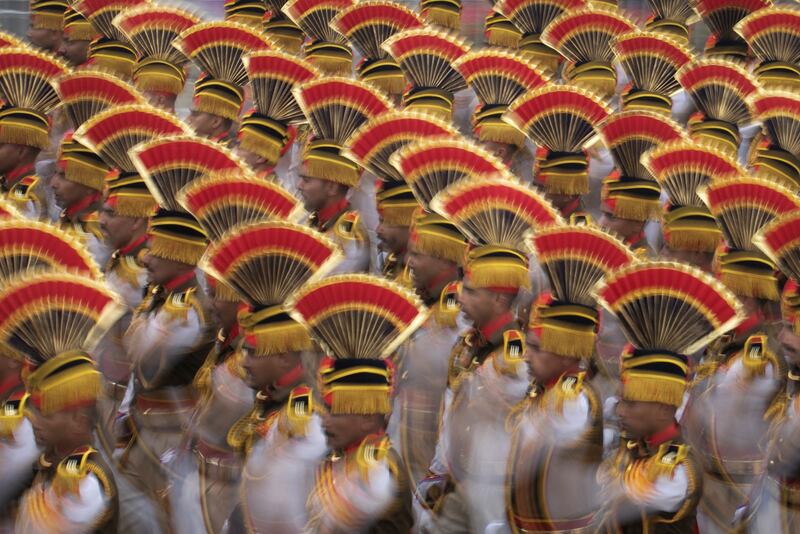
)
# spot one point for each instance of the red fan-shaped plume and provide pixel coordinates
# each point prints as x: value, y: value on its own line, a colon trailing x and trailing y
x: 426, y: 56
x: 629, y: 134
x: 85, y: 93
x: 115, y: 131
x: 267, y: 262
x: 358, y: 316
x: 722, y: 15
x: 719, y: 88
x: 372, y: 145
x: 272, y: 77
x: 27, y: 246
x: 223, y: 200
x: 26, y: 78
x: 683, y: 166
x: 369, y: 23
x: 561, y: 118
x: 779, y: 113
x: 669, y: 306
x: 533, y: 16
x: 151, y: 29
x: 335, y: 107
x: 651, y: 59
x: 167, y: 164
x: 780, y: 240
x: 6, y: 39
x: 314, y: 17
x: 101, y: 14
x: 46, y: 314
x: 431, y: 165
x: 497, y: 212
x: 575, y: 258
x: 773, y: 34
x: 217, y: 47
x: 585, y: 34
x: 498, y: 76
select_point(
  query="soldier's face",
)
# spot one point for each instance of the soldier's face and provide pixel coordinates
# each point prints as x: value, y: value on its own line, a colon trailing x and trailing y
x: 49, y: 430
x: 622, y: 227
x: 262, y: 372
x: 544, y: 366
x: 426, y: 269
x: 118, y: 230
x: 48, y: 40
x: 204, y: 124
x: 476, y: 303
x: 75, y: 52
x: 343, y: 430
x: 313, y: 191
x: 224, y: 311
x: 639, y: 420
x: 790, y: 343
x: 392, y: 238
x: 161, y: 270
x: 10, y: 155
x: 67, y: 193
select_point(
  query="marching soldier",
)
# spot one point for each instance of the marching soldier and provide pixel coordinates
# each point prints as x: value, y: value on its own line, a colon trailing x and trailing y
x: 487, y: 376
x: 362, y: 485
x: 25, y: 83
x: 653, y: 482
x: 168, y: 339
x: 78, y: 184
x: 217, y: 48
x: 326, y: 176
x: 63, y: 315
x: 558, y: 430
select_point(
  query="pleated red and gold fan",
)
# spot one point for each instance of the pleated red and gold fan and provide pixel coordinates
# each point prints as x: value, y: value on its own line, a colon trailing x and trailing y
x: 681, y: 167
x: 46, y: 314
x: 721, y: 17
x: 358, y: 316
x: 8, y: 210
x: 531, y: 17
x: 273, y: 75
x: 743, y: 207
x: 629, y: 134
x: 268, y: 262
x: 773, y: 35
x: 31, y: 246
x: 114, y: 132
x: 650, y: 60
x: 498, y: 212
x: 670, y: 17
x: 720, y: 90
x: 431, y: 165
x: 328, y: 49
x: 780, y: 241
x: 665, y: 306
x: 217, y: 48
x: 27, y: 77
x: 498, y: 77
x: 562, y: 120
x: 223, y: 200
x: 372, y: 145
x: 779, y: 114
x: 366, y: 25
x: 575, y: 258
x: 583, y: 36
x: 278, y: 27
x: 101, y: 14
x: 85, y: 93
x: 426, y: 57
x: 167, y: 164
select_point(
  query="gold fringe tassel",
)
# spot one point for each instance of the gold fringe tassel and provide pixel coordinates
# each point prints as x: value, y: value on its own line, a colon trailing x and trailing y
x: 649, y: 389
x: 568, y: 342
x: 361, y: 400
x: 176, y: 249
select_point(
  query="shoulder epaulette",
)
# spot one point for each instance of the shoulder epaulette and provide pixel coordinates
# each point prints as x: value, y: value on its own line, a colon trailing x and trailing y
x: 12, y: 414
x: 24, y: 190
x: 347, y: 226
x: 375, y: 450
x: 179, y: 303
x: 72, y: 470
x: 669, y: 456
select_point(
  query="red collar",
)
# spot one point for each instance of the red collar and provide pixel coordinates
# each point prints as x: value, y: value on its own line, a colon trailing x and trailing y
x: 325, y: 214
x: 82, y: 204
x: 635, y: 238
x: 17, y: 173
x: 179, y: 281
x: 750, y: 323
x: 572, y: 370
x: 230, y: 336
x: 571, y: 208
x: 662, y: 436
x: 440, y: 281
x: 220, y: 137
x: 136, y: 243
x: 9, y: 383
x: 492, y: 327
x: 291, y: 377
